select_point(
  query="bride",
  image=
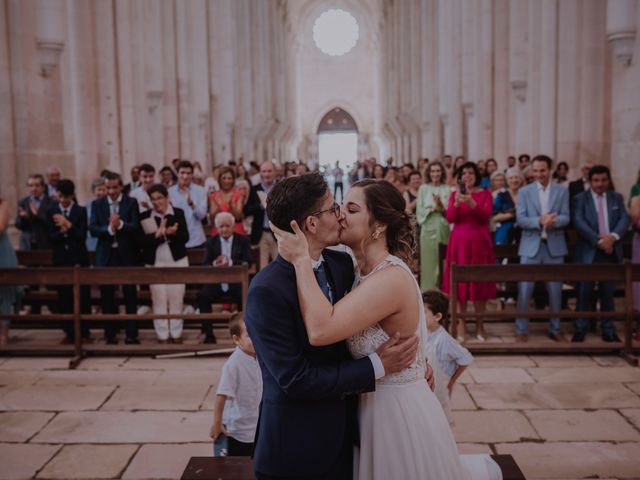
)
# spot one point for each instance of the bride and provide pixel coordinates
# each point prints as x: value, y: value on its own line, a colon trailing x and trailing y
x: 403, y: 430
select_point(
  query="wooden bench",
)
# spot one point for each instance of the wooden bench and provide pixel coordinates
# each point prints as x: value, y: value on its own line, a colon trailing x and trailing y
x: 241, y: 468
x: 79, y: 276
x: 624, y: 274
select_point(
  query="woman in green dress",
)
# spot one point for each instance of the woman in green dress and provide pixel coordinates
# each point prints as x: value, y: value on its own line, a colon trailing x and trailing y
x: 433, y: 198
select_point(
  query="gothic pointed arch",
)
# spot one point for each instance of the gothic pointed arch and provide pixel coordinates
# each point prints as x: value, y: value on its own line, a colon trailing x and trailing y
x: 337, y: 120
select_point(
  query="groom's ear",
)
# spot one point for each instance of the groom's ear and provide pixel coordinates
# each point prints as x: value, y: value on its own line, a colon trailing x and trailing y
x: 310, y: 224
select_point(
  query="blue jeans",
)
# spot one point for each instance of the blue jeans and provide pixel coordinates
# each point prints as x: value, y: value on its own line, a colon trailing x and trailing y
x: 525, y: 290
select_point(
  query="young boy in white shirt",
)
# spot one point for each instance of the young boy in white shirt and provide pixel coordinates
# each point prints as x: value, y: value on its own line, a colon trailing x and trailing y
x: 238, y: 396
x: 447, y: 357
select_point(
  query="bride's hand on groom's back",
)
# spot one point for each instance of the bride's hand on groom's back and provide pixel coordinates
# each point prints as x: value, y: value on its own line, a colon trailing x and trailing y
x: 293, y: 247
x: 396, y: 354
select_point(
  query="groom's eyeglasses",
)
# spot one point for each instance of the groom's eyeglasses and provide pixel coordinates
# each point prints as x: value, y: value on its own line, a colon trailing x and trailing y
x: 335, y: 209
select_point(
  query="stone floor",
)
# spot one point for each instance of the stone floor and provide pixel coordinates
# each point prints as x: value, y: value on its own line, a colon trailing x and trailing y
x: 561, y: 417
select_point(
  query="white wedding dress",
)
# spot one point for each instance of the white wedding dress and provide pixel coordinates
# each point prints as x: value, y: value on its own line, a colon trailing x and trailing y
x: 404, y: 433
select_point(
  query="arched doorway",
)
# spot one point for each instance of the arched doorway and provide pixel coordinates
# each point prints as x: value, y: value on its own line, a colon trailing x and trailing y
x: 337, y: 142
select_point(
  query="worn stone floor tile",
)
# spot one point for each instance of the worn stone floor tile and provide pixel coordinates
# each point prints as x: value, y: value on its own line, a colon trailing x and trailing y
x: 21, y: 426
x: 585, y: 374
x: 552, y: 395
x: 22, y: 461
x: 164, y: 461
x: 188, y: 397
x: 500, y: 375
x: 88, y: 461
x: 610, y: 361
x: 201, y: 363
x: 491, y: 426
x: 15, y: 378
x: 574, y: 459
x: 179, y: 378
x: 461, y: 400
x: 503, y: 361
x: 35, y: 363
x: 578, y: 425
x: 563, y: 361
x: 466, y: 377
x: 126, y: 427
x: 54, y: 398
x: 474, y: 448
x: 633, y: 415
x: 98, y: 377
x: 102, y: 363
x: 635, y: 387
x: 209, y: 400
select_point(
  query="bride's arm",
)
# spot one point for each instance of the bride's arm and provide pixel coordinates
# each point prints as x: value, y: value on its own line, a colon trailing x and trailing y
x: 365, y: 306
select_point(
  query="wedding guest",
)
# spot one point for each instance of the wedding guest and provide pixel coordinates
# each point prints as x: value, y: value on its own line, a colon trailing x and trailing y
x: 67, y: 226
x: 53, y: 175
x: 228, y: 199
x: 135, y: 181
x: 542, y: 213
x: 115, y: 222
x: 524, y: 161
x: 458, y: 162
x: 164, y: 235
x: 223, y: 250
x: 147, y: 177
x: 395, y: 178
x: 9, y: 294
x: 484, y: 176
x: 411, y: 193
x: 582, y: 184
x: 491, y: 166
x: 635, y: 225
x: 448, y: 358
x: 338, y: 173
x: 434, y: 228
x: 261, y: 234
x: 211, y: 182
x: 470, y: 208
x: 191, y: 199
x: 238, y: 396
x: 32, y: 215
x: 497, y: 183
x: 378, y: 172
x: 167, y: 177
x: 561, y: 174
x: 504, y: 209
x: 635, y: 189
x: 601, y: 220
x: 511, y: 162
x: 99, y: 190
x: 529, y: 175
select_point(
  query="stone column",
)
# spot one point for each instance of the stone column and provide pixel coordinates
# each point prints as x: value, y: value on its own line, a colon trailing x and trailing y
x: 9, y: 180
x: 501, y: 89
x: 547, y: 78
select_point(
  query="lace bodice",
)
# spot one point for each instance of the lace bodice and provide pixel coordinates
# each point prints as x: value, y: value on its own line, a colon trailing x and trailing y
x: 367, y: 341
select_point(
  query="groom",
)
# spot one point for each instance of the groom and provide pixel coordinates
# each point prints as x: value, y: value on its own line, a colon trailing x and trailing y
x: 308, y: 415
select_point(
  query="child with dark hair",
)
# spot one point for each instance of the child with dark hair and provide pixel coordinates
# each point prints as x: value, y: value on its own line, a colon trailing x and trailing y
x: 447, y: 357
x: 238, y: 396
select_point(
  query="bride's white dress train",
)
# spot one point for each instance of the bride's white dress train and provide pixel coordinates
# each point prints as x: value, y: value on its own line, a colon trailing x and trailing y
x: 403, y: 430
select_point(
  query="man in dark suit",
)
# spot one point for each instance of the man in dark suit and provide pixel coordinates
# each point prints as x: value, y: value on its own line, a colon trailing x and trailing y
x: 67, y: 224
x: 115, y: 222
x: 261, y: 234
x: 223, y: 250
x: 32, y: 215
x: 308, y: 414
x: 601, y: 219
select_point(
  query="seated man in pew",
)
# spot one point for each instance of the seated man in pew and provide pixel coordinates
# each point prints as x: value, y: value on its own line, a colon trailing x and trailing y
x: 67, y: 227
x: 223, y: 250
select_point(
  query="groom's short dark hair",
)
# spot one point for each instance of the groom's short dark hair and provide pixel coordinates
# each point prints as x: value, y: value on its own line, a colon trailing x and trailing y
x: 295, y: 198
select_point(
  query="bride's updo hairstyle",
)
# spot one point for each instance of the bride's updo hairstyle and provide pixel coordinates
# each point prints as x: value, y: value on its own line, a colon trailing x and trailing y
x: 387, y: 206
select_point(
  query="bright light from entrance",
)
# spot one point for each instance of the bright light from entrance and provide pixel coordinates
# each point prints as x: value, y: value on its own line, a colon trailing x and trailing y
x: 335, y: 32
x: 342, y: 147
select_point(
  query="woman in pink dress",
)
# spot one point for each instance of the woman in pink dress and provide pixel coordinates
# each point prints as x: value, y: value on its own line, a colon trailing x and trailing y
x: 469, y: 211
x: 227, y: 199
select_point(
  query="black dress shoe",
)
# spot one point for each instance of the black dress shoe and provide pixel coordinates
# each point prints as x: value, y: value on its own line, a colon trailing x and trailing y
x: 111, y: 341
x: 611, y: 337
x: 578, y: 337
x: 132, y: 341
x: 210, y: 339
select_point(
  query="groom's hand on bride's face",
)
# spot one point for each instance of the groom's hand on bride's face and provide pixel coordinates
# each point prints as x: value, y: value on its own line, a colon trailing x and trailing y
x: 396, y: 354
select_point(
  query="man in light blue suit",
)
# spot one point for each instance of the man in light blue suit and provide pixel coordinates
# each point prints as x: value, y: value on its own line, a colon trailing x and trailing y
x: 601, y: 220
x: 542, y: 213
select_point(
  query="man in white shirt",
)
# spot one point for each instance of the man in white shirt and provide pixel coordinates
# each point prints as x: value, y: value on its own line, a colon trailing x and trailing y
x: 542, y: 213
x: 147, y: 178
x: 192, y: 199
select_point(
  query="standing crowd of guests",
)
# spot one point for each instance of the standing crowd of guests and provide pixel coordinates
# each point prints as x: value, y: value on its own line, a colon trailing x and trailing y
x: 469, y: 206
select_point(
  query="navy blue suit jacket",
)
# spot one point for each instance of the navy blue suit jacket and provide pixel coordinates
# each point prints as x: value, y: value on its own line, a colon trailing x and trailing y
x: 309, y: 402
x: 69, y: 248
x: 585, y: 221
x: 126, y: 236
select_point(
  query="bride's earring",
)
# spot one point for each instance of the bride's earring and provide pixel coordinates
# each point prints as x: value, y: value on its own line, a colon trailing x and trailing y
x: 375, y: 235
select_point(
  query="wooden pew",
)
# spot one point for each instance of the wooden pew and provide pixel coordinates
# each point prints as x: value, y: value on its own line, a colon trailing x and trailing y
x: 240, y: 468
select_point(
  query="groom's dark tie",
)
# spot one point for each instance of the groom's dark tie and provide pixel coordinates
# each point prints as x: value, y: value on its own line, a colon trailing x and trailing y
x: 321, y: 276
